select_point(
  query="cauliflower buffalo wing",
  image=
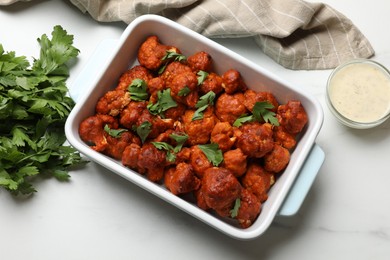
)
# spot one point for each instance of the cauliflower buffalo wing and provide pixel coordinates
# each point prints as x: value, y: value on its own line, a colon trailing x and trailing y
x: 255, y: 139
x: 181, y: 179
x: 230, y: 107
x: 220, y: 188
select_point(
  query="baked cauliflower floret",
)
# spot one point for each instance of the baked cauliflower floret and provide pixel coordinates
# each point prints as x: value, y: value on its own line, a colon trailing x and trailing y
x: 232, y: 82
x: 250, y: 207
x: 136, y: 72
x: 181, y: 179
x: 276, y: 160
x: 220, y: 189
x: 152, y: 52
x: 255, y: 139
x: 92, y: 131
x: 200, y: 61
x: 258, y: 181
x: 292, y: 116
x: 199, y: 130
x: 223, y: 135
x: 113, y: 102
x: 230, y: 107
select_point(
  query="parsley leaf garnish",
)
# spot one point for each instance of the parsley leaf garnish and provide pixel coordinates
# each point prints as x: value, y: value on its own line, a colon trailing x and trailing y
x: 116, y: 133
x: 174, y: 55
x: 243, y: 119
x: 180, y: 140
x: 171, y: 55
x: 171, y: 151
x: 164, y: 102
x: 261, y: 111
x: 138, y: 90
x: 143, y: 130
x: 171, y: 156
x: 212, y: 152
x: 234, y: 212
x: 202, y: 104
x: 184, y: 91
x: 34, y: 106
x: 202, y: 75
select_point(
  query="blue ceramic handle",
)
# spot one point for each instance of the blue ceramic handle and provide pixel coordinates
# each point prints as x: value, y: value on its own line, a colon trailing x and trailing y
x: 93, y: 65
x: 303, y: 182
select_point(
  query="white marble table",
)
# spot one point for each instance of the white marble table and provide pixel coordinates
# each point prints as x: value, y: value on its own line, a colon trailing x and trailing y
x: 98, y: 215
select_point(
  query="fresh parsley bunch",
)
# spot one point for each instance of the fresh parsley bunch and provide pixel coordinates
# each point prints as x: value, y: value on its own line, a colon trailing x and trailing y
x: 33, y: 109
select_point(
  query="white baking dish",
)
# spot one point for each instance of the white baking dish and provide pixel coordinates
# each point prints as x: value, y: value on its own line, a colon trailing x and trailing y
x: 124, y: 55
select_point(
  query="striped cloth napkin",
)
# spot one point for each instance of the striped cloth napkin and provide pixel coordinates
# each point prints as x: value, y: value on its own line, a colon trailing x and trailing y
x: 297, y: 34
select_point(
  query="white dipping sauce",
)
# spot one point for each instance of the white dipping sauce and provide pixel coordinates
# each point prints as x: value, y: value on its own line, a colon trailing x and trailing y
x: 361, y: 92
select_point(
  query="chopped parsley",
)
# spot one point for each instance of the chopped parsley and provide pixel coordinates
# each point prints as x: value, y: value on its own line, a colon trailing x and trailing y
x: 184, y: 91
x: 116, y: 133
x: 164, y: 102
x: 202, y: 75
x: 138, y: 90
x: 234, y: 211
x: 180, y: 140
x: 243, y: 119
x: 212, y: 152
x: 174, y: 55
x: 202, y: 104
x: 171, y: 156
x: 171, y: 151
x: 143, y: 130
x: 171, y: 55
x: 261, y: 110
x: 260, y: 113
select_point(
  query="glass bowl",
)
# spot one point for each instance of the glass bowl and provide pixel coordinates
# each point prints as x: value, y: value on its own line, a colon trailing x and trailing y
x: 358, y: 93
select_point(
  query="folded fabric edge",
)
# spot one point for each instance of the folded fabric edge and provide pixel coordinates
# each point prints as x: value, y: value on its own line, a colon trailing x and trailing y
x: 314, y: 62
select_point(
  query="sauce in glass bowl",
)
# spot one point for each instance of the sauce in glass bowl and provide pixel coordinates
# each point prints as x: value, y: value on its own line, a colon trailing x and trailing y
x: 358, y: 93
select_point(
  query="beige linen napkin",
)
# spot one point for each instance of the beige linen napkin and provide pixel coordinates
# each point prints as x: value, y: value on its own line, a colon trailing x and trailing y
x: 296, y: 34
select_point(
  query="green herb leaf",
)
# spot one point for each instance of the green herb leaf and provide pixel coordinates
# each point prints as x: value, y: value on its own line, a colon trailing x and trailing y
x: 34, y: 104
x: 162, y: 68
x: 184, y: 91
x: 164, y: 102
x: 243, y: 119
x: 206, y: 99
x: 138, y: 90
x: 171, y: 55
x: 261, y: 112
x: 199, y: 113
x: 212, y: 152
x: 234, y: 211
x: 162, y: 146
x: 116, y: 133
x: 171, y: 156
x: 202, y: 104
x: 55, y: 52
x: 202, y: 75
x: 172, y: 151
x: 174, y: 55
x: 180, y: 140
x: 143, y: 130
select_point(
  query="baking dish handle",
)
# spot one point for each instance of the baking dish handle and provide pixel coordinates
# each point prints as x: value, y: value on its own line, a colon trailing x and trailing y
x: 81, y: 84
x: 303, y: 182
